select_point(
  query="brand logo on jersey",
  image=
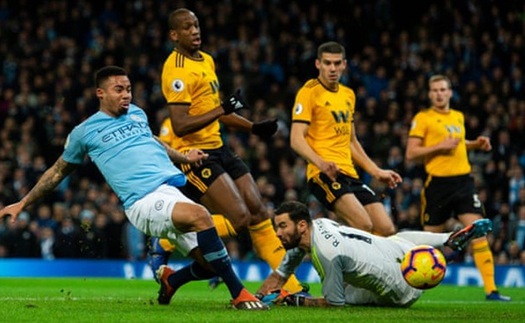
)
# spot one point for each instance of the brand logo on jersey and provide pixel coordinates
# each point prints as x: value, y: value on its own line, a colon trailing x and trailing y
x: 127, y: 131
x: 159, y: 204
x: 336, y: 186
x: 453, y: 129
x: 214, y: 86
x: 340, y: 116
x: 177, y: 85
x: 298, y: 108
x: 206, y: 173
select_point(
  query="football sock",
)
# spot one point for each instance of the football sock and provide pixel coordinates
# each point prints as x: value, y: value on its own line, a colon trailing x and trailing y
x: 270, y: 249
x: 216, y: 255
x: 224, y: 226
x: 485, y: 262
x: 194, y: 271
x: 166, y: 245
x: 424, y: 238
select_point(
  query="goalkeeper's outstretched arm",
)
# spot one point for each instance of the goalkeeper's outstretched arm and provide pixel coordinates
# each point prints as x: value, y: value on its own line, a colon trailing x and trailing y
x: 273, y: 282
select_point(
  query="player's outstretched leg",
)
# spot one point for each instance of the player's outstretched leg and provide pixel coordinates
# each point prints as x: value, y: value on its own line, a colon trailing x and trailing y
x: 157, y: 256
x: 166, y: 292
x: 460, y: 239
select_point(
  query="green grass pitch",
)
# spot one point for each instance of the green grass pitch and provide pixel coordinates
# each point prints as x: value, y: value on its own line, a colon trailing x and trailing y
x: 119, y: 300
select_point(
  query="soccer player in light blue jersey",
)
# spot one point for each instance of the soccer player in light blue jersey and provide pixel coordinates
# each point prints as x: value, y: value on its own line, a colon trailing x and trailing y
x: 140, y: 170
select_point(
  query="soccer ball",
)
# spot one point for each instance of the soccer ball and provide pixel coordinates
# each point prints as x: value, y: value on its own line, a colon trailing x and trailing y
x: 423, y: 267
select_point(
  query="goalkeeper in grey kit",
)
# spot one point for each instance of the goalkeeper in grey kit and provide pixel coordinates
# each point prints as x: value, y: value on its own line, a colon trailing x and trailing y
x: 355, y: 267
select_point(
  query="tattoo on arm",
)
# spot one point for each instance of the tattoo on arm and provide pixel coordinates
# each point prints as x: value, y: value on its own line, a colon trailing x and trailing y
x: 173, y: 154
x: 49, y: 180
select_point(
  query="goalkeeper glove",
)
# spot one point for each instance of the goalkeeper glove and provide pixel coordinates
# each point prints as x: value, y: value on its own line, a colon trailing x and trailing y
x: 234, y: 103
x: 265, y: 128
x: 294, y: 300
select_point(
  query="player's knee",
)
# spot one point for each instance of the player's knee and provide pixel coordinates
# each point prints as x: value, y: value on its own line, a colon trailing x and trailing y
x: 202, y: 219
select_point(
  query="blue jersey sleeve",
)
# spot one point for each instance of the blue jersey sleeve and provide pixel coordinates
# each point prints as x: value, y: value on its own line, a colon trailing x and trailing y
x: 74, y: 149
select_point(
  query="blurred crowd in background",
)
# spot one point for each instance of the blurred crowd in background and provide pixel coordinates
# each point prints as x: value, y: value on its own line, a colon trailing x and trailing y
x: 49, y: 51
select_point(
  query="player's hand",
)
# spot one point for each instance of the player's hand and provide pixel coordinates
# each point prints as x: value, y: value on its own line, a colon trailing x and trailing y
x: 265, y: 128
x: 449, y: 144
x: 234, y: 102
x: 196, y: 156
x: 274, y: 297
x: 294, y: 300
x: 14, y: 210
x: 330, y: 169
x: 272, y: 283
x: 389, y: 177
x: 483, y: 143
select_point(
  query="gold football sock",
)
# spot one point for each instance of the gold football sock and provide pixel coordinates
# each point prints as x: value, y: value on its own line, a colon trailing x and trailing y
x: 224, y: 226
x: 166, y: 245
x: 485, y: 262
x: 269, y: 248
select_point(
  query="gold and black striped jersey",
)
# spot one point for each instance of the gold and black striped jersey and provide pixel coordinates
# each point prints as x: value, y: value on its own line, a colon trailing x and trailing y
x: 330, y: 116
x: 193, y: 82
x: 433, y: 127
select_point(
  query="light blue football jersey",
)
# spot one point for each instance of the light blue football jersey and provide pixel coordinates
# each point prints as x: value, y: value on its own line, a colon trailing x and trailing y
x: 131, y: 160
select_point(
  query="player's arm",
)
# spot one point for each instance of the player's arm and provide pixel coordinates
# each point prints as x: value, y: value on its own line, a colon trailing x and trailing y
x: 47, y: 182
x: 276, y: 280
x: 236, y: 121
x: 297, y: 300
x: 300, y: 145
x: 481, y: 143
x: 183, y: 123
x: 265, y: 128
x: 193, y: 156
x: 362, y: 159
x: 273, y: 282
x: 416, y: 151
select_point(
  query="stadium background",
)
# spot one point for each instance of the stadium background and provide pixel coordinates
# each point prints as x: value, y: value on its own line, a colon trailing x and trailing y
x: 49, y: 51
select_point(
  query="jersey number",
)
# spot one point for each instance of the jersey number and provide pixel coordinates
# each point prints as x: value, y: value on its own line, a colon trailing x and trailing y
x: 356, y: 236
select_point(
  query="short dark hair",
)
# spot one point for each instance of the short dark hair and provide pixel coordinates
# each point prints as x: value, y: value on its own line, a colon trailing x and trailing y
x: 173, y: 19
x: 296, y: 210
x: 331, y: 47
x: 105, y: 72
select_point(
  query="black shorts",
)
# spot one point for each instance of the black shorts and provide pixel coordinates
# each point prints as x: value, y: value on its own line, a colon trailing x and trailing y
x: 446, y: 197
x: 219, y: 161
x: 327, y: 192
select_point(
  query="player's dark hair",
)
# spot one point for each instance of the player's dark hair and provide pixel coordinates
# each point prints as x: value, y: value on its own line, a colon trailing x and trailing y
x: 173, y: 19
x: 296, y: 210
x: 331, y: 47
x: 105, y: 72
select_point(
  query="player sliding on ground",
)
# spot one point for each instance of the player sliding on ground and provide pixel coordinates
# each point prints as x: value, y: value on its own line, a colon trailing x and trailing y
x: 355, y: 267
